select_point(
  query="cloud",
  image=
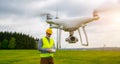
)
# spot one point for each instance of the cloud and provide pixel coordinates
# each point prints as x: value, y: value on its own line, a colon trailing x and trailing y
x: 32, y: 8
x: 24, y: 16
x: 17, y: 7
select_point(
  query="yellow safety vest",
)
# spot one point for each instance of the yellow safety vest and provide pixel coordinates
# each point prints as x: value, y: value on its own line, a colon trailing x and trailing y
x: 47, y: 44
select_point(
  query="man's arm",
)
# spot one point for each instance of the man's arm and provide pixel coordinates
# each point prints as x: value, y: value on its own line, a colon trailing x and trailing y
x: 40, y: 44
x: 53, y: 46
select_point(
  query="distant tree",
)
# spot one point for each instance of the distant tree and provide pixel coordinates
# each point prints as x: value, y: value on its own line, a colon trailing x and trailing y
x: 22, y: 41
x: 0, y: 45
x: 12, y: 43
x: 36, y: 46
x: 1, y: 36
x: 5, y: 44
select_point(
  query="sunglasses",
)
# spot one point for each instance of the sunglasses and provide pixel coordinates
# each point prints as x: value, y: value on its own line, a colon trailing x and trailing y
x: 49, y: 34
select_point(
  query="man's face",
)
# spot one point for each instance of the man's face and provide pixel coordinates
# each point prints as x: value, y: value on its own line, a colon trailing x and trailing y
x: 48, y: 35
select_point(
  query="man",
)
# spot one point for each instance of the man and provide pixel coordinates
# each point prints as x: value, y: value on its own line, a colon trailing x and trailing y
x: 47, y: 48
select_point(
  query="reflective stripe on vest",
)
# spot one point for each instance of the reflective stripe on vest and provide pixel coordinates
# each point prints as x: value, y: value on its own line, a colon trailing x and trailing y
x: 47, y: 44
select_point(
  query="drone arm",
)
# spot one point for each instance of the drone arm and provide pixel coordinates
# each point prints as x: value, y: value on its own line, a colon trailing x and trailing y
x: 53, y: 24
x: 88, y: 20
x: 50, y: 21
x: 95, y: 15
x: 95, y: 18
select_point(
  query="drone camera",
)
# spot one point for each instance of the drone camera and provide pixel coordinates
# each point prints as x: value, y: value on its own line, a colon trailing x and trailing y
x: 71, y: 39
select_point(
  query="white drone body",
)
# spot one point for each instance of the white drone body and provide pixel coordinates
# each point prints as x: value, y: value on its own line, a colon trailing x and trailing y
x: 71, y: 25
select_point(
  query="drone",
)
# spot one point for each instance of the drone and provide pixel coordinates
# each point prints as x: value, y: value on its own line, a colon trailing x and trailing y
x: 71, y: 25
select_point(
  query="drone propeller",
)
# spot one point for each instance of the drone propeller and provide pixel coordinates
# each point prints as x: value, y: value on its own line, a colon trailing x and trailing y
x: 49, y: 16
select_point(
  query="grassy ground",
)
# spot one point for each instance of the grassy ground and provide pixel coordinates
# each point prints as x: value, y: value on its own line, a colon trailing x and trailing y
x: 61, y: 57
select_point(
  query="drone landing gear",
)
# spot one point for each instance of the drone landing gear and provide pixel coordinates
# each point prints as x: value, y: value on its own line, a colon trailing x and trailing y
x: 85, y: 34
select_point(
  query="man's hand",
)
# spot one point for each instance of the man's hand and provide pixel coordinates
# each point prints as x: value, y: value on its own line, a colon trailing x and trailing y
x: 49, y: 50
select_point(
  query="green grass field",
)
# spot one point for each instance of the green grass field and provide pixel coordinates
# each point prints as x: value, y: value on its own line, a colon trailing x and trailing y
x: 61, y: 57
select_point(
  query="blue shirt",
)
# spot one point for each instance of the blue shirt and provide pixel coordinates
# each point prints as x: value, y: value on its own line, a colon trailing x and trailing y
x: 43, y: 50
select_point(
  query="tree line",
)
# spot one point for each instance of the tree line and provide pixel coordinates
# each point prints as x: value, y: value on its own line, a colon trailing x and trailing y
x: 9, y: 40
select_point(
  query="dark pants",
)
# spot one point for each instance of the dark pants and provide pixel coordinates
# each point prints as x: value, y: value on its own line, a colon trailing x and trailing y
x: 48, y: 60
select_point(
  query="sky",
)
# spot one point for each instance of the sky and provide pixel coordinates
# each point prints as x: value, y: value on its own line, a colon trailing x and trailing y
x: 24, y: 16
